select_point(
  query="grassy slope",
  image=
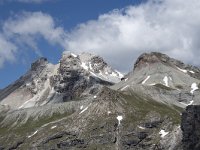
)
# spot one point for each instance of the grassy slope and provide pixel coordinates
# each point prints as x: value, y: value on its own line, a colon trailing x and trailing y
x: 136, y: 109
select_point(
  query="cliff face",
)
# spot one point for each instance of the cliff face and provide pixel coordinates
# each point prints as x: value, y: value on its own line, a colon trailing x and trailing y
x: 190, y: 126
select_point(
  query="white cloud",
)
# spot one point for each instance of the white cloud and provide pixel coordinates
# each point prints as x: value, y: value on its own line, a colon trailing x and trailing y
x: 7, y: 51
x: 120, y: 36
x: 168, y: 26
x: 25, y: 29
x: 29, y: 25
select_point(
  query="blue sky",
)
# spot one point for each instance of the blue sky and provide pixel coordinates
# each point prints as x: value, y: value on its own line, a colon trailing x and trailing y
x: 66, y: 13
x: 117, y: 30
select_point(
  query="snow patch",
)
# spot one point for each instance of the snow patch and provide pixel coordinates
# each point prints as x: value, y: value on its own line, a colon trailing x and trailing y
x: 192, y: 72
x: 90, y: 66
x: 95, y: 96
x: 73, y: 55
x: 93, y: 74
x: 163, y: 133
x: 143, y: 82
x: 53, y: 127
x: 84, y: 109
x: 125, y: 87
x: 184, y: 103
x: 28, y: 84
x: 81, y: 107
x: 193, y: 87
x: 119, y: 74
x: 109, y: 112
x: 119, y: 118
x: 165, y: 79
x: 191, y: 102
x: 183, y: 70
x: 141, y: 127
x: 152, y: 84
x: 84, y: 66
x: 114, y: 74
x: 33, y: 134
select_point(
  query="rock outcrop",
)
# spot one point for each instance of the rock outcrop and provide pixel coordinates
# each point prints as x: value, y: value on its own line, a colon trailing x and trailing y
x: 147, y: 59
x: 163, y: 79
x: 190, y: 126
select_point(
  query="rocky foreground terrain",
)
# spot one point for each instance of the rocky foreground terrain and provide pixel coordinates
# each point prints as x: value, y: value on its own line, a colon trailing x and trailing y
x: 83, y: 103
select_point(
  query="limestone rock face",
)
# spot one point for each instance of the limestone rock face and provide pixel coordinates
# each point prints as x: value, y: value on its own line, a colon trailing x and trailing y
x: 147, y: 59
x: 163, y: 79
x: 74, y: 77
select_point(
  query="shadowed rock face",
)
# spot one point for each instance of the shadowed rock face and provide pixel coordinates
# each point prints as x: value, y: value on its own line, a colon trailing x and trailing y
x: 190, y: 126
x: 40, y: 63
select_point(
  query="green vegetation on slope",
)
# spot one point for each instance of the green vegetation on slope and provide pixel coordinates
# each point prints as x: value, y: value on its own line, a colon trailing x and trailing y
x: 144, y: 105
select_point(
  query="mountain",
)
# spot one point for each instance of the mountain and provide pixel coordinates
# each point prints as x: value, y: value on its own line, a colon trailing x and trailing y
x: 83, y: 103
x: 74, y: 77
x: 164, y: 79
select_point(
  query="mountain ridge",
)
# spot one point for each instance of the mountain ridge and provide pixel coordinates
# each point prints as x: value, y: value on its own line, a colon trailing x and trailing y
x: 83, y: 103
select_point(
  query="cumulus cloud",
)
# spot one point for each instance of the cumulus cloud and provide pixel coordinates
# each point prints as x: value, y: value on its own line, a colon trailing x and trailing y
x: 24, y: 30
x: 7, y: 51
x: 120, y: 36
x: 168, y: 26
x: 30, y: 25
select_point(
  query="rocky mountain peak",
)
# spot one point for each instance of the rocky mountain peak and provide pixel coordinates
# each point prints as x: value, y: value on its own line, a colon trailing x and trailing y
x: 69, y: 62
x: 40, y: 63
x: 85, y: 56
x: 150, y: 58
x: 76, y: 105
x: 95, y: 63
x: 155, y: 59
x: 91, y: 64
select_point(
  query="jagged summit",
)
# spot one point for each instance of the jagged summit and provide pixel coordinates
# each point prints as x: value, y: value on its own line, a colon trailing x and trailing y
x: 95, y: 65
x: 75, y: 76
x: 41, y: 62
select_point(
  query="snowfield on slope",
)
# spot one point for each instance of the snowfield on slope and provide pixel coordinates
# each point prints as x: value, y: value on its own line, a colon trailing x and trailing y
x: 163, y: 133
x: 165, y: 79
x: 119, y: 118
x: 143, y: 82
x: 194, y: 87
